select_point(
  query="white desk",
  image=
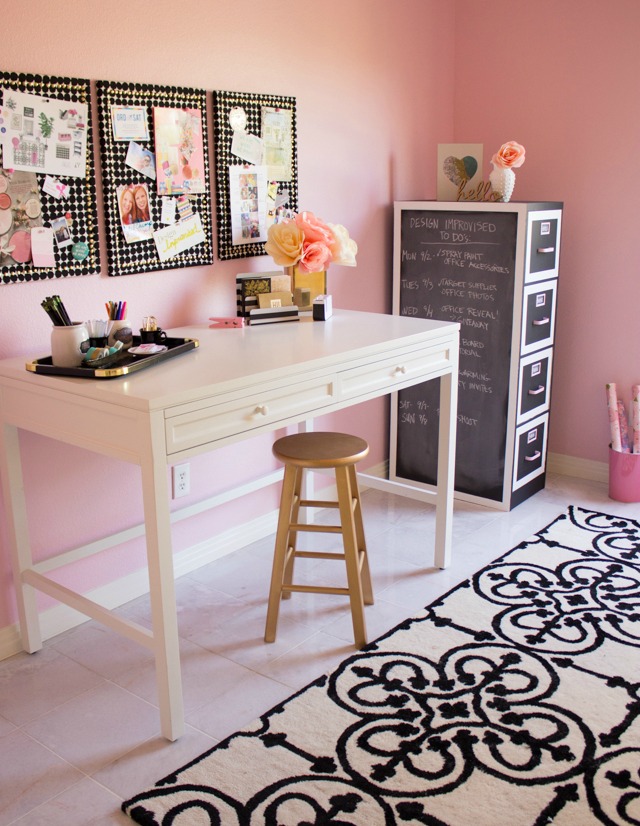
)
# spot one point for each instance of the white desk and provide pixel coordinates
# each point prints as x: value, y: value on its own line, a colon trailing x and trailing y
x: 236, y: 384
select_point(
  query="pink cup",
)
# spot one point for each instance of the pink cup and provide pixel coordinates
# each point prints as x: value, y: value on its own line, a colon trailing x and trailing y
x: 624, y: 476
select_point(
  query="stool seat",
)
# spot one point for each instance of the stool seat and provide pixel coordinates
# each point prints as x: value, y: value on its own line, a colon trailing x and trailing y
x: 320, y: 450
x: 315, y: 451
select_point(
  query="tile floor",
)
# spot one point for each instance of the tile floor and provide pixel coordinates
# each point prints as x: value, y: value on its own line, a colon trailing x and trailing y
x: 79, y: 728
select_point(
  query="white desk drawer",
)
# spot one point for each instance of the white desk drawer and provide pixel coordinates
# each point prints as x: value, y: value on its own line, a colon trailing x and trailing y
x: 241, y: 415
x: 392, y: 373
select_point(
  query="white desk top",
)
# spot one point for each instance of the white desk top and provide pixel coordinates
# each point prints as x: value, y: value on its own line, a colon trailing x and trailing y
x: 229, y: 359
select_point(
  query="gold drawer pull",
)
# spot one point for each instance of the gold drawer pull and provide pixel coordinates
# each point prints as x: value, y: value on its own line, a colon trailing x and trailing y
x: 261, y: 410
x: 545, y: 249
x: 400, y: 370
x: 533, y: 458
x: 537, y: 391
x: 540, y: 322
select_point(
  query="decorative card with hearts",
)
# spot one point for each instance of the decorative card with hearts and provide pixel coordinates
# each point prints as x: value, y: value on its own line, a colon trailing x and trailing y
x: 459, y: 165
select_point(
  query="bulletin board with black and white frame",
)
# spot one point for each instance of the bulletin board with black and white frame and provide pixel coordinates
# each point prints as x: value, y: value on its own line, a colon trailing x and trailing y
x: 155, y: 174
x: 255, y: 138
x: 48, y: 215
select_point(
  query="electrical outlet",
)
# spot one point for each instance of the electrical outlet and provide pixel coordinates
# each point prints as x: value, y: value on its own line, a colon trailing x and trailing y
x: 181, y: 480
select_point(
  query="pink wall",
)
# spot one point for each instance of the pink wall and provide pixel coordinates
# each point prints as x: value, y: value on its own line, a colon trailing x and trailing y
x: 375, y: 94
x: 559, y: 76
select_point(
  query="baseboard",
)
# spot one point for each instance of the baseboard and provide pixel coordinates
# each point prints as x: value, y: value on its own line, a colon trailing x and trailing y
x: 380, y: 470
x: 580, y: 468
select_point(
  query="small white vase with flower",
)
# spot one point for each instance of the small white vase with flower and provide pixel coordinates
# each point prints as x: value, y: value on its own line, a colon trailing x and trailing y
x: 502, y: 177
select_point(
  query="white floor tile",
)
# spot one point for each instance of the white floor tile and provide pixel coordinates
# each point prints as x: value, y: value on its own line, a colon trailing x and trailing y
x: 33, y: 684
x: 150, y: 761
x: 86, y: 802
x: 97, y: 727
x: 30, y: 774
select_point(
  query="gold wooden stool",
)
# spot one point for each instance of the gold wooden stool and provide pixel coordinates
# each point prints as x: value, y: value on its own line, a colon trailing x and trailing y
x: 314, y: 451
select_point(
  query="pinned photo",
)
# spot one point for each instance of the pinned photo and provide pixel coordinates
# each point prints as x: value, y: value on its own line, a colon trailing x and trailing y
x: 142, y: 160
x: 61, y: 232
x: 135, y: 212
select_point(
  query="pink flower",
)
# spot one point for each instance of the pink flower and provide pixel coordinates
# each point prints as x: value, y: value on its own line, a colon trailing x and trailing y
x: 509, y: 156
x: 313, y: 228
x: 316, y: 256
x: 284, y: 243
x: 343, y: 248
x: 306, y: 241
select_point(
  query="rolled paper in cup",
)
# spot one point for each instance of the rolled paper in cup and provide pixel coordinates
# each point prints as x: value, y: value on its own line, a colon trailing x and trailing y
x: 614, y: 422
x: 624, y: 427
x: 635, y: 416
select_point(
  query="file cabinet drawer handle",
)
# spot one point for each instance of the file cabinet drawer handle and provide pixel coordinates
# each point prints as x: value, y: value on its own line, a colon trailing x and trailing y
x: 545, y: 249
x: 537, y: 391
x: 534, y: 457
x: 540, y: 322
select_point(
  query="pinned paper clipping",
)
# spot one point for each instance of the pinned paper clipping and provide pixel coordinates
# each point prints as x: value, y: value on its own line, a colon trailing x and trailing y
x: 621, y: 440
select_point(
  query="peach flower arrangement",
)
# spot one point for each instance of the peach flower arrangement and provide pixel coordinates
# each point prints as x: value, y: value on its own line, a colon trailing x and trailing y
x: 509, y: 156
x: 502, y: 178
x: 310, y: 244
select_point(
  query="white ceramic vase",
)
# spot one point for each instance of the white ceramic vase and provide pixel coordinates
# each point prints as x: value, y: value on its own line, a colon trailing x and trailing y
x: 503, y: 182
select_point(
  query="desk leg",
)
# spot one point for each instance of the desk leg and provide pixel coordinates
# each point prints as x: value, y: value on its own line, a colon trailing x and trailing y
x: 446, y: 467
x: 306, y: 515
x: 18, y: 531
x: 162, y: 593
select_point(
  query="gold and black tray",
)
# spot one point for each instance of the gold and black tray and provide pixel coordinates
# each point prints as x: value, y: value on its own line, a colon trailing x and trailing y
x: 122, y: 364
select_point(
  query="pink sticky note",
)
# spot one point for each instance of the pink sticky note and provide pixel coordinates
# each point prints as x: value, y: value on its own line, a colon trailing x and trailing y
x: 42, y: 247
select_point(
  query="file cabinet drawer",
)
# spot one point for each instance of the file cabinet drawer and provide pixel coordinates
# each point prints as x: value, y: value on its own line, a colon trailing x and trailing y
x: 535, y: 384
x: 531, y: 451
x: 543, y: 245
x: 538, y: 316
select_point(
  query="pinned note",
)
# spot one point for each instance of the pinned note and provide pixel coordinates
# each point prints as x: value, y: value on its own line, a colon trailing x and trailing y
x: 42, y: 253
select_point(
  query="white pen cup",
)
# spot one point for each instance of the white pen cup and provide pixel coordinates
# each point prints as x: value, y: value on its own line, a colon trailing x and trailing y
x: 121, y: 331
x: 67, y: 344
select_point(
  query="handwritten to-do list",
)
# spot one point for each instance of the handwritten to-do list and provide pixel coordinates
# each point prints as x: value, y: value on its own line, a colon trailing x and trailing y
x: 460, y: 266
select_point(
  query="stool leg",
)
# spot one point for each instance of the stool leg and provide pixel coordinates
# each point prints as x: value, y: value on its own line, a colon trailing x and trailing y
x: 365, y: 573
x: 351, y: 556
x: 280, y: 552
x: 294, y: 519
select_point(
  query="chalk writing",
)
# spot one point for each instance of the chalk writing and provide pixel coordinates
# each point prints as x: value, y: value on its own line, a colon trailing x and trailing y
x: 464, y: 271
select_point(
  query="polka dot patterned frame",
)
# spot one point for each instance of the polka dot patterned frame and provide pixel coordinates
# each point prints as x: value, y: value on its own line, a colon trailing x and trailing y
x: 251, y: 104
x: 129, y: 258
x: 81, y: 200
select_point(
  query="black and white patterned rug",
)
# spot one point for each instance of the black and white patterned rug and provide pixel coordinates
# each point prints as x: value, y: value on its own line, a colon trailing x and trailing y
x: 514, y: 699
